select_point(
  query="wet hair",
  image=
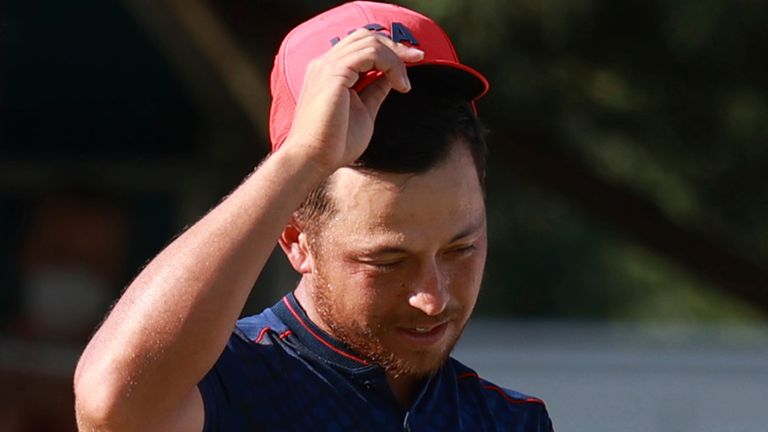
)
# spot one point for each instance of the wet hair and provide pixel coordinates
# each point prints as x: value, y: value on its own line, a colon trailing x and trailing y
x: 413, y: 133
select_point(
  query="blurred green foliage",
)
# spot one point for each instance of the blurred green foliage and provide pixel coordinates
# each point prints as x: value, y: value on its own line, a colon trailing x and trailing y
x: 666, y: 100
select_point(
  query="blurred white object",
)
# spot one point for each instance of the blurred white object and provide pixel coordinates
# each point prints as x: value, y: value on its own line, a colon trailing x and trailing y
x: 64, y: 301
x: 608, y: 377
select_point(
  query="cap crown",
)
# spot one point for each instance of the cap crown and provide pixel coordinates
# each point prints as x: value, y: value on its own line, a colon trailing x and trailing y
x: 314, y: 37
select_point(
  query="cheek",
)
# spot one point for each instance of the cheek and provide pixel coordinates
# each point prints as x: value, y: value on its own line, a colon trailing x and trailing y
x: 467, y: 277
x: 379, y: 297
x: 359, y: 296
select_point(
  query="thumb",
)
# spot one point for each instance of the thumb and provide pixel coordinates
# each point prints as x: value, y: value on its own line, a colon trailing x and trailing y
x: 373, y: 95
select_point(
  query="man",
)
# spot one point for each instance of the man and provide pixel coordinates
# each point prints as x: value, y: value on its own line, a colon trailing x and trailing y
x: 386, y: 226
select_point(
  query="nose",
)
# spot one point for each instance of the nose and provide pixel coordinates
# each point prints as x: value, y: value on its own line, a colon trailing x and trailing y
x: 430, y: 294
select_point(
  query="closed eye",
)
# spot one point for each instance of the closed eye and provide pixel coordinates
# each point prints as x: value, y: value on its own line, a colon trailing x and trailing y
x: 463, y: 250
x: 385, y: 266
x: 382, y: 265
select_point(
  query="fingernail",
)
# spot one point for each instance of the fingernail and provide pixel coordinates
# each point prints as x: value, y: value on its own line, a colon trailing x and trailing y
x: 407, y: 83
x: 416, y: 52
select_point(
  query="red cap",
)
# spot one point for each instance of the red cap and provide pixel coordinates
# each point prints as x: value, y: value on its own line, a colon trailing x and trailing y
x: 313, y: 38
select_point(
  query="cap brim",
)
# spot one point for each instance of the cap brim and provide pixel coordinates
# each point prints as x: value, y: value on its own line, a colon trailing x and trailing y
x: 441, y: 76
x: 453, y: 77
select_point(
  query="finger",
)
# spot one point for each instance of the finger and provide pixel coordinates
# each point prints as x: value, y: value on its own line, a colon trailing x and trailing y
x: 406, y: 53
x: 369, y: 50
x: 356, y: 35
x: 375, y: 56
x: 373, y: 95
x: 363, y: 38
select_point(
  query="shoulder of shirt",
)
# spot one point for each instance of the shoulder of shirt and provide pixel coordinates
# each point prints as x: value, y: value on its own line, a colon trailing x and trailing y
x: 468, y: 376
x: 254, y: 328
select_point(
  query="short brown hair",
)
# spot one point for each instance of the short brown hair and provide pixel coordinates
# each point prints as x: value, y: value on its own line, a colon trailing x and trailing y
x: 413, y: 133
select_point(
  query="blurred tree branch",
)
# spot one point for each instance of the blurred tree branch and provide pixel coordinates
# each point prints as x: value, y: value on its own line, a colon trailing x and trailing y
x: 638, y: 218
x: 243, y: 77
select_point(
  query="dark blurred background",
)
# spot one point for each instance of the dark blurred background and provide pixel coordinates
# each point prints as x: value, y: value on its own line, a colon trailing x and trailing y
x: 627, y: 179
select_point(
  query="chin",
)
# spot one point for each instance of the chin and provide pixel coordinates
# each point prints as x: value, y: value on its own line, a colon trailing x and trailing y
x: 426, y: 363
x: 406, y: 366
x: 413, y: 362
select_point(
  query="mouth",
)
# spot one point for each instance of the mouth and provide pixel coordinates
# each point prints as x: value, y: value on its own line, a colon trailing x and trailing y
x: 424, y: 335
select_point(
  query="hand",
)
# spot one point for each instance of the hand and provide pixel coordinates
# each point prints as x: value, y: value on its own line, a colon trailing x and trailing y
x: 333, y: 124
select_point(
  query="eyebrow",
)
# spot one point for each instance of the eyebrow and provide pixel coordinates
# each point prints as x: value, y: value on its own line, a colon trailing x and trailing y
x: 469, y: 230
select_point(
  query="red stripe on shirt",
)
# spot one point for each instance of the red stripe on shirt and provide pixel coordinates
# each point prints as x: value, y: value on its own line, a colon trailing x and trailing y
x: 323, y: 341
x: 501, y: 391
x: 262, y: 332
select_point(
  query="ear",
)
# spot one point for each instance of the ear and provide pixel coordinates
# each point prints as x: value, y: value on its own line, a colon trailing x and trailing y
x: 293, y: 241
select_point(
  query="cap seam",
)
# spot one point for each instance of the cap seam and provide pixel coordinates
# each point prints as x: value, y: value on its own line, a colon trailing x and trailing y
x: 284, y: 60
x: 362, y: 11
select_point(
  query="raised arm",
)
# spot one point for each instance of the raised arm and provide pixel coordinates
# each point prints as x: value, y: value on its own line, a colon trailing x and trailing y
x: 141, y: 368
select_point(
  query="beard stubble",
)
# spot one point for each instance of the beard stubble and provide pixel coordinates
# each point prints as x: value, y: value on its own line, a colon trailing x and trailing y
x: 368, y: 340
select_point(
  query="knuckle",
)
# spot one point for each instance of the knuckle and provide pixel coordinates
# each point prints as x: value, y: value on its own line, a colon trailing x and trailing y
x: 381, y: 52
x: 315, y: 64
x: 372, y: 51
x: 319, y: 66
x: 386, y: 41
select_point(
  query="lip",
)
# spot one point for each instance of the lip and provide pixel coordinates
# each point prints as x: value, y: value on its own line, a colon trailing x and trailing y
x: 433, y: 336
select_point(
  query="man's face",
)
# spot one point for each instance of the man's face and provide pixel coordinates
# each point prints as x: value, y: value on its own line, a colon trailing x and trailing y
x: 398, y: 267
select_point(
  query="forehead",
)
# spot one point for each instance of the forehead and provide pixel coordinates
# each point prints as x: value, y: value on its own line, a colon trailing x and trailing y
x: 437, y: 203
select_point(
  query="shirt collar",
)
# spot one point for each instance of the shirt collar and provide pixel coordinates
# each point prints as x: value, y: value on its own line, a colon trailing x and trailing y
x: 335, y: 352
x: 316, y: 340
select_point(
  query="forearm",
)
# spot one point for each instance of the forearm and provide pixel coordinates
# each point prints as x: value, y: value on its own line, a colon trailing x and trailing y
x: 173, y: 321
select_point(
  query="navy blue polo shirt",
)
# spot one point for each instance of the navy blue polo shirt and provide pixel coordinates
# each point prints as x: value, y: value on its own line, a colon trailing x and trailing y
x: 280, y: 372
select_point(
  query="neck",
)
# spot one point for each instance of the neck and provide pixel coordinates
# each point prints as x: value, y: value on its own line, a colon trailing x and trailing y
x: 304, y: 297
